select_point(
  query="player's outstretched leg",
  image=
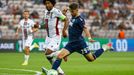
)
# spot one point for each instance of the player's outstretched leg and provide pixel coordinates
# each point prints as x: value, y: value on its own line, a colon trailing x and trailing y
x: 105, y: 47
x: 91, y: 57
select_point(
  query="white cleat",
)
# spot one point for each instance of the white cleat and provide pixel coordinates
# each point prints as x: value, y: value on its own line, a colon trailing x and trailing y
x: 107, y: 46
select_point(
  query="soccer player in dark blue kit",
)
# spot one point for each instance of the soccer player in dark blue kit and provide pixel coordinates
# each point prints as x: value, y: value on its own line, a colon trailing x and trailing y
x: 76, y: 41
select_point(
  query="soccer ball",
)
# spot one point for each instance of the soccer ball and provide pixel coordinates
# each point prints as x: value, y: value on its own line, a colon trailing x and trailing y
x: 52, y: 72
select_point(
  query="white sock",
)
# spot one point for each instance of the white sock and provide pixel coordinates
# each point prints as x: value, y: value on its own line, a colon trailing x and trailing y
x: 31, y: 47
x: 26, y: 57
x: 104, y: 47
x: 60, y: 70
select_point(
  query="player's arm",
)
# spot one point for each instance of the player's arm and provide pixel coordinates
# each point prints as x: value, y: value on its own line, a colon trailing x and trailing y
x: 17, y: 31
x: 87, y: 33
x: 65, y: 20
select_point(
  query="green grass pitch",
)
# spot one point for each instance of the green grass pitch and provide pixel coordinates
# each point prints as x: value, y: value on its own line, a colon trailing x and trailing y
x: 110, y: 63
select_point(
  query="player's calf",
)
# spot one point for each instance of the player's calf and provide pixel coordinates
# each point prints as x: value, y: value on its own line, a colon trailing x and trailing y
x: 89, y: 57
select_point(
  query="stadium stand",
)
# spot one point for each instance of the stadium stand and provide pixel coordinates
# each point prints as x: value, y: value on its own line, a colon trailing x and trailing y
x: 102, y: 16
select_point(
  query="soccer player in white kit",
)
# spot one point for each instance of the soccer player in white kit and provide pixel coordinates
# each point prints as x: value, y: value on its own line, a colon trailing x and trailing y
x: 28, y: 27
x: 55, y: 30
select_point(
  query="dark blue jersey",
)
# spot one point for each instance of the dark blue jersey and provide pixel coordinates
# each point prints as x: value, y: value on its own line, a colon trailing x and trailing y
x: 76, y: 41
x: 76, y: 26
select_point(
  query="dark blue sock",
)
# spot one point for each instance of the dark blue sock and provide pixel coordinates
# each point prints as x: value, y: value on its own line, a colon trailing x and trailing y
x: 56, y: 64
x: 98, y: 53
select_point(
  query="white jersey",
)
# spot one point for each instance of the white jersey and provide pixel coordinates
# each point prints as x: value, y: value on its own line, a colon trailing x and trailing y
x: 53, y: 23
x: 27, y: 35
x: 26, y: 27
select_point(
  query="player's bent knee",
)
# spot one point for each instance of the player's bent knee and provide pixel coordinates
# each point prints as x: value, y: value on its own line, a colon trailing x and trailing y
x: 63, y: 53
x: 60, y: 56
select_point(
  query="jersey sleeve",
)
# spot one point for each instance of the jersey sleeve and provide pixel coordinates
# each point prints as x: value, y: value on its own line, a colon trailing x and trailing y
x: 81, y: 22
x: 32, y: 23
x: 59, y: 14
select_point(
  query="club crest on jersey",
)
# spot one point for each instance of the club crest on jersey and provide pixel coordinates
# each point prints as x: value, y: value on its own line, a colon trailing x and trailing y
x: 26, y: 25
x: 70, y: 23
x: 50, y: 15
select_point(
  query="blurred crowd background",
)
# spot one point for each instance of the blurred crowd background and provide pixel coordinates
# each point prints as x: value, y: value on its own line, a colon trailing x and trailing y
x: 104, y: 17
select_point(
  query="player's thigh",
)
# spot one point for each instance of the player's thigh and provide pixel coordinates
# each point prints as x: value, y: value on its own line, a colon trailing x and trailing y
x: 47, y: 41
x: 28, y: 42
x: 64, y: 52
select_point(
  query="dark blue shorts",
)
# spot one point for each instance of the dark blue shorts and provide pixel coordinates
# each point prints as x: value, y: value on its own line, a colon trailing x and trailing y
x: 77, y: 46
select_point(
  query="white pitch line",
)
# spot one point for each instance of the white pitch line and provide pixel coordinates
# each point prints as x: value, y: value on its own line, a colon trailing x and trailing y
x: 12, y: 74
x: 33, y: 71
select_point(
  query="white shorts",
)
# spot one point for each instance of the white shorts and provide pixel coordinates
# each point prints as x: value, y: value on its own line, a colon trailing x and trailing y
x: 52, y: 43
x: 28, y: 41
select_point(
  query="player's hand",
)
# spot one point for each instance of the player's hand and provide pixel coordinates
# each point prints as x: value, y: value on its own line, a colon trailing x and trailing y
x: 36, y: 26
x: 91, y: 40
x: 64, y: 34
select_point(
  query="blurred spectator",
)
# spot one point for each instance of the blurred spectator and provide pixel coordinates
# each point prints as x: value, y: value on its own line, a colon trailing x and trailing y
x: 96, y: 22
x: 111, y: 25
x: 96, y: 4
x: 100, y: 14
x: 38, y: 1
x: 80, y: 2
x: 121, y: 34
x: 84, y: 14
x: 0, y: 20
x: 8, y: 9
x: 34, y: 15
x: 14, y: 23
x: 0, y: 33
x: 1, y: 4
x: 63, y: 0
x: 16, y: 10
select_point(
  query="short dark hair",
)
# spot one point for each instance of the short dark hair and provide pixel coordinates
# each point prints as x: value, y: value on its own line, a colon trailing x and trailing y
x: 73, y: 6
x: 26, y: 10
x: 52, y: 1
